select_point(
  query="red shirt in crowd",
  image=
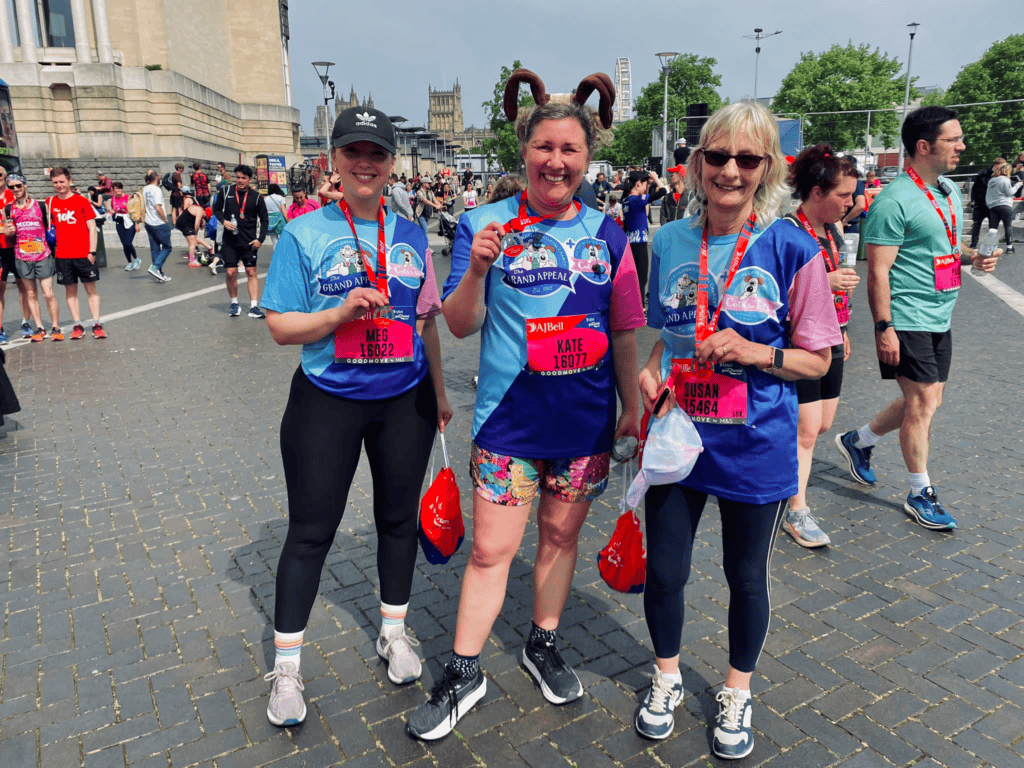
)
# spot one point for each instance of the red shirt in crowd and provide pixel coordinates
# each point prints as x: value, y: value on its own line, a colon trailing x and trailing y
x: 70, y: 217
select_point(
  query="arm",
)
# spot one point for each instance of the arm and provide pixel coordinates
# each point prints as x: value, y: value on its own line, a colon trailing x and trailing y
x: 880, y: 261
x: 427, y: 330
x: 327, y: 188
x: 91, y: 223
x: 624, y: 359
x: 727, y: 346
x: 160, y: 212
x: 464, y: 309
x: 857, y: 210
x: 650, y: 382
x: 262, y: 227
x: 307, y: 327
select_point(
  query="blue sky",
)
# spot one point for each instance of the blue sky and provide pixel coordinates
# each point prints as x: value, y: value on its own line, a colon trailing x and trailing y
x: 395, y: 50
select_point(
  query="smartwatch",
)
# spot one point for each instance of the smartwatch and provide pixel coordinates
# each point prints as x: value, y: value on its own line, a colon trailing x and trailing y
x: 778, y: 360
x: 882, y: 325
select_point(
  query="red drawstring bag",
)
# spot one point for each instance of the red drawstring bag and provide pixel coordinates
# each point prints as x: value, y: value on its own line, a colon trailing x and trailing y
x: 441, y: 527
x: 623, y: 563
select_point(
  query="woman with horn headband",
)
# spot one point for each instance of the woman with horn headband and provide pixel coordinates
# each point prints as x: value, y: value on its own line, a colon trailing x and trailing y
x: 552, y: 286
x: 757, y: 315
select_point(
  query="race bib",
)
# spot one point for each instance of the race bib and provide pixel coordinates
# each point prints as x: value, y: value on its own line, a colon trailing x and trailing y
x: 375, y: 339
x: 31, y: 249
x: 947, y: 272
x: 842, y: 302
x: 715, y: 395
x: 557, y: 346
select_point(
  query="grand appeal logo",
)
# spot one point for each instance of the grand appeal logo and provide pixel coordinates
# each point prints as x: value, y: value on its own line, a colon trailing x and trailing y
x: 678, y: 299
x: 535, y: 264
x: 753, y: 297
x: 340, y: 268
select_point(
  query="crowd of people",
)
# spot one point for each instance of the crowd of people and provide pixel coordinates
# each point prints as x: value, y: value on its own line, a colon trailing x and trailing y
x: 751, y: 311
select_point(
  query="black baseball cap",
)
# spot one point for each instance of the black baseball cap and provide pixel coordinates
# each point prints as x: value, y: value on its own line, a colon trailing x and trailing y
x: 362, y: 124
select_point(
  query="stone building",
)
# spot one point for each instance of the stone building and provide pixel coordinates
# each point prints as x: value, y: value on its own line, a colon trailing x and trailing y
x: 353, y: 101
x: 444, y: 110
x: 144, y: 83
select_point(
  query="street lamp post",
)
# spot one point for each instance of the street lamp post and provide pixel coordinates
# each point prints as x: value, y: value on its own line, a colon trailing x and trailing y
x: 666, y: 57
x: 759, y: 36
x: 906, y: 93
x: 328, y: 86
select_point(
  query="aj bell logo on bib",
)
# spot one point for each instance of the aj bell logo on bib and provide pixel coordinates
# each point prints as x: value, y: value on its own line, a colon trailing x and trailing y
x: 366, y: 119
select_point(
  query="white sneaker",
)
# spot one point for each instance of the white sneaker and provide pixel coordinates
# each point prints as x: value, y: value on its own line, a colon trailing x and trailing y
x: 404, y: 665
x: 286, y: 706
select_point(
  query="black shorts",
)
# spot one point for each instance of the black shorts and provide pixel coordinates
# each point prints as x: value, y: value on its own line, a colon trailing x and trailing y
x: 203, y: 200
x: 924, y: 357
x: 71, y: 271
x: 827, y: 387
x: 187, y: 231
x: 232, y: 254
x: 7, y: 266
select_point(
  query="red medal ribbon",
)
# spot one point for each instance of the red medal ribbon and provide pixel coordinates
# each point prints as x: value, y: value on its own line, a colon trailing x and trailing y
x: 702, y: 329
x: 831, y: 259
x: 950, y: 232
x: 241, y: 205
x: 380, y: 274
x: 524, y: 220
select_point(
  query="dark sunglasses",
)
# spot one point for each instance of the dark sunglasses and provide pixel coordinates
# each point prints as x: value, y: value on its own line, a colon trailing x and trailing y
x: 15, y: 186
x: 743, y: 160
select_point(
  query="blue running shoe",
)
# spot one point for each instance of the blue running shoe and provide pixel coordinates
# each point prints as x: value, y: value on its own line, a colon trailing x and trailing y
x: 927, y: 512
x: 734, y: 737
x: 26, y: 331
x: 3, y: 336
x: 859, y: 459
x: 654, y: 719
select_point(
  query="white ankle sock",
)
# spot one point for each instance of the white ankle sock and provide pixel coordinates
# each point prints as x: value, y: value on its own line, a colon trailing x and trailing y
x: 918, y: 482
x: 288, y: 647
x: 866, y: 438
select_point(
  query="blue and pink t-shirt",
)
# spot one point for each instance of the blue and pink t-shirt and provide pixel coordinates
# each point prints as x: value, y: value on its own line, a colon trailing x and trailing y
x: 554, y: 297
x: 780, y: 296
x: 317, y: 262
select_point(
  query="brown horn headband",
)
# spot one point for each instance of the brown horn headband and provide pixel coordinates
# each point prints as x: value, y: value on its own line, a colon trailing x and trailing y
x: 511, y: 102
x: 601, y: 83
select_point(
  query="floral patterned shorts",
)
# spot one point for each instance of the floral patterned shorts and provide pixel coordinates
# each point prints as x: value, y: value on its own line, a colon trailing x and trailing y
x: 512, y: 481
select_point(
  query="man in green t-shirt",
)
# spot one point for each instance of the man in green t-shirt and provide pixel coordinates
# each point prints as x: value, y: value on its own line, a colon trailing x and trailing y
x: 912, y: 234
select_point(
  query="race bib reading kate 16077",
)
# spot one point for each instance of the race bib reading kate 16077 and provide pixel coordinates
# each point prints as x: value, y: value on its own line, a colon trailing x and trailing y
x: 563, y: 345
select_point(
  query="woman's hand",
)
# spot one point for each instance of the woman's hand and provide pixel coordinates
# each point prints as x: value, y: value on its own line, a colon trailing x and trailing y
x: 444, y: 412
x: 650, y: 390
x: 627, y: 426
x: 359, y: 303
x: 486, y: 248
x: 843, y: 279
x: 727, y: 346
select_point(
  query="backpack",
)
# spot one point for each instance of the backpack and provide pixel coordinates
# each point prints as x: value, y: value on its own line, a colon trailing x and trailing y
x: 980, y: 187
x: 137, y: 207
x: 166, y: 182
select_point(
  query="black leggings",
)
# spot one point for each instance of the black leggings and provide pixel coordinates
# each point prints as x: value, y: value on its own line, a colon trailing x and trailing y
x: 127, y: 235
x: 321, y: 440
x: 643, y: 265
x: 978, y: 214
x: 1004, y: 214
x: 748, y: 537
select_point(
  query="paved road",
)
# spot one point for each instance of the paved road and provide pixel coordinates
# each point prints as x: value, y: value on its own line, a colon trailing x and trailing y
x: 142, y: 509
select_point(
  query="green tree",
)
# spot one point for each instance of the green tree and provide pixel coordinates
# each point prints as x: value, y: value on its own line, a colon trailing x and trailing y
x: 691, y: 80
x: 991, y: 130
x: 845, y: 78
x: 504, y: 147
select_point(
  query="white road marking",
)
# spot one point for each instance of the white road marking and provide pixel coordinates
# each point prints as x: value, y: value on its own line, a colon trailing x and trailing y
x: 1014, y: 299
x: 144, y: 308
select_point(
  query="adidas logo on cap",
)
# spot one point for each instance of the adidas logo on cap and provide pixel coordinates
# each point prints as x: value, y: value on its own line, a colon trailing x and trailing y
x: 366, y: 119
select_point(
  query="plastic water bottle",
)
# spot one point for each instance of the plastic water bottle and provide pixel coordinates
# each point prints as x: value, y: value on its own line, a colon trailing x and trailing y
x: 989, y: 242
x: 624, y: 448
x: 234, y: 221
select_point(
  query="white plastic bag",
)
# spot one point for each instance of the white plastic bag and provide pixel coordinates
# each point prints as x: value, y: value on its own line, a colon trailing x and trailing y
x: 672, y: 447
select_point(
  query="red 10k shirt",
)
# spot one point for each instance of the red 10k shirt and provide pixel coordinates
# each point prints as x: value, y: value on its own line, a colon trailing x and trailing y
x: 70, y: 217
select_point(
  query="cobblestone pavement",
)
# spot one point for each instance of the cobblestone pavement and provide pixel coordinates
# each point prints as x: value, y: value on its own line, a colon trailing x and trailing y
x: 142, y: 510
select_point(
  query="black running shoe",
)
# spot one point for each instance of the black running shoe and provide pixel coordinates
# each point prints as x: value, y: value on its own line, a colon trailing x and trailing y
x: 452, y: 697
x: 557, y: 681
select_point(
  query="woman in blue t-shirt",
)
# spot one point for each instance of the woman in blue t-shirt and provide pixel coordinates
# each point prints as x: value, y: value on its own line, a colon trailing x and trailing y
x: 743, y: 305
x: 550, y: 285
x: 640, y: 190
x: 354, y: 285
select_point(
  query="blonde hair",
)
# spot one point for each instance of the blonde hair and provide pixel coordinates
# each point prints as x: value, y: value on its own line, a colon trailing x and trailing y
x: 1003, y: 169
x: 760, y: 125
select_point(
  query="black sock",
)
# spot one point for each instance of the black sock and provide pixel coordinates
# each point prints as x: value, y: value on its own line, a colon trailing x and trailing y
x: 540, y: 636
x: 467, y: 666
